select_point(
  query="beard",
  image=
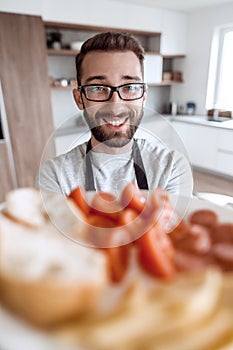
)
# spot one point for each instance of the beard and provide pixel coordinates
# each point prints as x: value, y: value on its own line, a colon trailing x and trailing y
x: 97, y: 123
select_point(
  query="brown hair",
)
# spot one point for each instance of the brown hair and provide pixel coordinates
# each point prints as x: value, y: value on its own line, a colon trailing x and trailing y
x: 109, y: 41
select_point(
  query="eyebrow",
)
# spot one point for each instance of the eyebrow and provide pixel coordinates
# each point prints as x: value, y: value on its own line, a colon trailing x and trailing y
x: 95, y: 77
x: 103, y: 77
x: 130, y: 77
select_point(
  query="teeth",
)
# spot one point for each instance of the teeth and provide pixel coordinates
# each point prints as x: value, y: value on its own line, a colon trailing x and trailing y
x: 115, y: 122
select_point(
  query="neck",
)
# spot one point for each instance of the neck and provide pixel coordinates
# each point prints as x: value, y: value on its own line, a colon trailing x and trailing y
x: 101, y: 147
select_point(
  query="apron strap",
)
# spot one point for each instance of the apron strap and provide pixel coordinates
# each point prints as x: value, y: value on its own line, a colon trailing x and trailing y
x: 89, y: 178
x: 138, y: 167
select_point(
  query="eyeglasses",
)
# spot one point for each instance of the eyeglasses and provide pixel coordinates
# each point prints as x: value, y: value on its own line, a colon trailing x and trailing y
x: 102, y: 93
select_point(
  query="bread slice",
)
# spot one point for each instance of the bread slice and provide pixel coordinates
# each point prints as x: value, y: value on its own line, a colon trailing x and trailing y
x: 24, y: 205
x: 46, y: 277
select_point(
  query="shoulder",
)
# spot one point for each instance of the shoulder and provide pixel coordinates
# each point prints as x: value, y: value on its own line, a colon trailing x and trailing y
x: 156, y: 151
x: 75, y: 153
x: 52, y: 171
x: 155, y: 146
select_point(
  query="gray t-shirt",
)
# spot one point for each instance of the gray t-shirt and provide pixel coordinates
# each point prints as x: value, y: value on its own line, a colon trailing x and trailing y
x: 164, y: 168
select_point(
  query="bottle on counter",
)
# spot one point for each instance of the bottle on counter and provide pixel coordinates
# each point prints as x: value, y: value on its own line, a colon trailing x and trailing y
x: 173, y: 108
x: 191, y: 108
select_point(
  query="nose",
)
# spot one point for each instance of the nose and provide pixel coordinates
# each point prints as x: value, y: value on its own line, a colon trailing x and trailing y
x: 115, y: 97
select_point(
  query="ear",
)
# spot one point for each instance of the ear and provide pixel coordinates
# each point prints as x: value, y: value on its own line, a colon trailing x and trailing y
x: 78, y: 99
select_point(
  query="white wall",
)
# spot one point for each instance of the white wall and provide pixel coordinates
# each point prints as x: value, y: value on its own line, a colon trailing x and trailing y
x: 201, y: 25
x: 92, y: 12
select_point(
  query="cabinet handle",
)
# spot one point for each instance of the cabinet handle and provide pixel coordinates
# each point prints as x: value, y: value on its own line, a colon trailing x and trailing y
x: 6, y: 137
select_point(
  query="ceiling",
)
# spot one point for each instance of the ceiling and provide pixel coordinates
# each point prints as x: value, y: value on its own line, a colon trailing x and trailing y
x: 179, y: 5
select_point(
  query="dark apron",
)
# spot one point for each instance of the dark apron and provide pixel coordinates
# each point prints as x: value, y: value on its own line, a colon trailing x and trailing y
x: 138, y: 167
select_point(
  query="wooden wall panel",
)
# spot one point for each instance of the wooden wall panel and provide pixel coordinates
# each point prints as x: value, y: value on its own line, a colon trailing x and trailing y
x: 26, y: 93
x: 6, y: 178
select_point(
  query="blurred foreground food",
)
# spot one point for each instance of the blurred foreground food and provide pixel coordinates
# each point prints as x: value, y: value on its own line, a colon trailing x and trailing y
x: 45, y: 277
x: 146, y: 279
x: 194, y: 312
x: 165, y: 242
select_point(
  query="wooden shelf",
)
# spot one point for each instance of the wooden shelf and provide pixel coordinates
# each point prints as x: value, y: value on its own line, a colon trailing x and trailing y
x: 151, y: 40
x: 92, y: 28
x: 173, y: 56
x: 166, y: 83
x: 162, y: 83
x: 67, y: 52
x: 69, y: 87
x: 62, y: 52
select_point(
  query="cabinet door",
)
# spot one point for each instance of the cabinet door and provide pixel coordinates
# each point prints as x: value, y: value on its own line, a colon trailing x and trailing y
x: 200, y: 143
x: 153, y: 67
x: 174, y: 33
x: 225, y: 152
x: 25, y: 88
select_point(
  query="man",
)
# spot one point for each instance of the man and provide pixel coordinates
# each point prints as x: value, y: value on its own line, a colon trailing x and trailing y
x: 112, y: 94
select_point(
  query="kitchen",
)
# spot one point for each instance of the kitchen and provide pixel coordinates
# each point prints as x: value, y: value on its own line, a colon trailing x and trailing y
x: 38, y: 119
x: 185, y: 41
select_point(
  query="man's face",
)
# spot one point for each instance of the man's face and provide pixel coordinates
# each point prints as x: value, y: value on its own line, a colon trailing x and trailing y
x: 115, y: 121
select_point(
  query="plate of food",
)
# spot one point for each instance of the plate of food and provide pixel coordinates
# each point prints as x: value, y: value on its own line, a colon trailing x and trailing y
x: 97, y: 272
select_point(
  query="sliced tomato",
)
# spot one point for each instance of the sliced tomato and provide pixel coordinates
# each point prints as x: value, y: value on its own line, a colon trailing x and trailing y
x: 132, y: 197
x: 117, y: 251
x: 159, y: 198
x: 105, y: 204
x: 78, y: 195
x: 133, y: 222
x: 100, y: 221
x: 159, y: 209
x: 156, y: 252
x: 118, y: 262
x: 127, y: 216
x: 99, y: 230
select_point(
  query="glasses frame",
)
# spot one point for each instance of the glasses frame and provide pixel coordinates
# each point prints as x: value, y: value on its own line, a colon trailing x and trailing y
x: 113, y: 89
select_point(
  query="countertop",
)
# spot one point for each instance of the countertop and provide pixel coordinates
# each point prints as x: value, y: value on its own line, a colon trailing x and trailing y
x: 202, y: 120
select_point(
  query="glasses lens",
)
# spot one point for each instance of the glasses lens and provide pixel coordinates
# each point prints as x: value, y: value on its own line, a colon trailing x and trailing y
x: 131, y: 91
x: 97, y: 92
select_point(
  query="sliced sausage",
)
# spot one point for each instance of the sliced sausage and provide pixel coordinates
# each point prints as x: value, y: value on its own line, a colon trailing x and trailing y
x: 204, y: 217
x: 222, y: 233
x: 223, y: 253
x: 195, y: 240
x: 185, y: 261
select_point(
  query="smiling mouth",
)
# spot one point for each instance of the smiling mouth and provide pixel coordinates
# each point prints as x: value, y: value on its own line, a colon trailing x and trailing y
x: 116, y: 122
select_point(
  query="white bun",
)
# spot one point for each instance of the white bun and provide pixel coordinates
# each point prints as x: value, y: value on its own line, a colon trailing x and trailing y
x: 44, y: 276
x: 24, y: 205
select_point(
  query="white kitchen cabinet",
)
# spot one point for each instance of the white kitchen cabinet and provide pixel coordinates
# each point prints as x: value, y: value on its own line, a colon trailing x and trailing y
x: 225, y: 152
x: 153, y: 68
x: 174, y: 33
x: 200, y: 143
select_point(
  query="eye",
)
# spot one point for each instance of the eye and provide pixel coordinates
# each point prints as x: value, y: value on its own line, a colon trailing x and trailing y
x: 96, y: 88
x: 132, y: 87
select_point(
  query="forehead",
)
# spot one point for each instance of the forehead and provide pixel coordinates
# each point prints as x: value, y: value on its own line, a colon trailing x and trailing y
x: 113, y: 64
